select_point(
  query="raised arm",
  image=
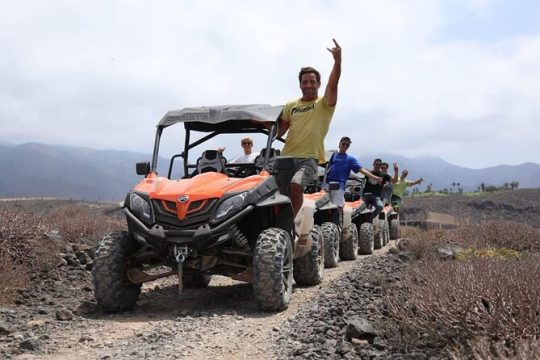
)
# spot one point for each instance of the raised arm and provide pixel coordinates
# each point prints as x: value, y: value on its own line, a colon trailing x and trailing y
x: 331, y: 91
x: 396, y: 171
x: 417, y: 182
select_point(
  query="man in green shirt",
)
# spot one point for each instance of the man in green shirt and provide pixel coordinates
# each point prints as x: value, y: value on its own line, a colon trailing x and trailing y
x: 399, y: 186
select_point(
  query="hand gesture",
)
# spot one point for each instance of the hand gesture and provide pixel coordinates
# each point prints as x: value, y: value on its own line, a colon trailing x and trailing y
x: 396, y: 168
x: 336, y: 51
x: 221, y: 149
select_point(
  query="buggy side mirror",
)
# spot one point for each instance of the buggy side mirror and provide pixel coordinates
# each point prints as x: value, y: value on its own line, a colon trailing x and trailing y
x: 143, y: 168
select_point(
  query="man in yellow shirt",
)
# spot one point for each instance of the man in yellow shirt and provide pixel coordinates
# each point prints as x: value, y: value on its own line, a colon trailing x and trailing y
x: 307, y: 119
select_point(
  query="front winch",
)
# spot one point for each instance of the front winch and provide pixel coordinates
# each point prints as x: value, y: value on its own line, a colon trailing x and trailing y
x: 180, y: 255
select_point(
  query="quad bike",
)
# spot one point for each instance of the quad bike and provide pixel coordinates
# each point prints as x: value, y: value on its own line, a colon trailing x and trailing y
x: 218, y: 218
x: 339, y: 230
x: 362, y: 214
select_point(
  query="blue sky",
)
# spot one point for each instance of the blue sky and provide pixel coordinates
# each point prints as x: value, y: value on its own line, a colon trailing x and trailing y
x: 455, y: 79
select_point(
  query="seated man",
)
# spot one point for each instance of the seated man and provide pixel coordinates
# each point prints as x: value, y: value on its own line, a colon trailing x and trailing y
x: 340, y: 166
x: 387, y: 189
x: 373, y: 190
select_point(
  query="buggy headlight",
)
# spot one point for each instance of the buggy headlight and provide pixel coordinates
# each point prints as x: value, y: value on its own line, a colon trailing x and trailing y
x: 230, y: 205
x: 140, y: 207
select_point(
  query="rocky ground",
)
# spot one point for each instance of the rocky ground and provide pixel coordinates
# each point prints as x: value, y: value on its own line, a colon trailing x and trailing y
x: 57, y: 317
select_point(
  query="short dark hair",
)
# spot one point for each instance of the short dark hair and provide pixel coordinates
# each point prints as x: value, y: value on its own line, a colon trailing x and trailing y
x: 346, y: 139
x: 309, y: 70
x: 384, y: 164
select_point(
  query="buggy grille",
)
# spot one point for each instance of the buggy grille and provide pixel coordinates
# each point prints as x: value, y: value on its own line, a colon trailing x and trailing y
x: 198, y: 212
x: 200, y: 207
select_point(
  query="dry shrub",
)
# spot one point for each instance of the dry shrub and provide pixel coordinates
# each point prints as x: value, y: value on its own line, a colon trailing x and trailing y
x: 453, y: 302
x: 419, y: 243
x: 483, y: 349
x: 497, y: 234
x: 77, y: 224
x: 24, y: 248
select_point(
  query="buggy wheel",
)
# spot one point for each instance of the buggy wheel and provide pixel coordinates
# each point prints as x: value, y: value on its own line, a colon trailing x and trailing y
x: 112, y: 289
x: 394, y: 229
x: 349, y: 247
x: 378, y: 241
x: 308, y: 269
x: 365, y: 239
x: 198, y: 280
x: 331, y: 244
x: 273, y: 269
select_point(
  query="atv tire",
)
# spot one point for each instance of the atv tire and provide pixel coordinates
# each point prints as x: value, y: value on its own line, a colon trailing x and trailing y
x: 349, y: 247
x: 394, y: 229
x: 330, y: 233
x: 112, y: 289
x: 308, y: 269
x: 378, y: 241
x: 365, y: 239
x: 273, y: 269
x: 198, y: 280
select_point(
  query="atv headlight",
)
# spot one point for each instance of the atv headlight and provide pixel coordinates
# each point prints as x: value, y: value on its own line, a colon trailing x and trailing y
x: 140, y: 207
x: 230, y: 205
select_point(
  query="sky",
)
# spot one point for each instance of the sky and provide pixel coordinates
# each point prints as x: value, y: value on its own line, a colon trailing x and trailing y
x: 455, y: 79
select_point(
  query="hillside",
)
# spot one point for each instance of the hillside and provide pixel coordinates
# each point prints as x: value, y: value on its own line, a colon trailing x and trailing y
x: 522, y: 205
x: 42, y: 170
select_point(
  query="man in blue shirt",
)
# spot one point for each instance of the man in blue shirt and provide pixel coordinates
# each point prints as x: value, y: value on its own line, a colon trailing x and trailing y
x: 341, y: 165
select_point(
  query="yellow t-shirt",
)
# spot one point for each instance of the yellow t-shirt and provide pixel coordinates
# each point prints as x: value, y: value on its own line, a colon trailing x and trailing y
x: 308, y: 124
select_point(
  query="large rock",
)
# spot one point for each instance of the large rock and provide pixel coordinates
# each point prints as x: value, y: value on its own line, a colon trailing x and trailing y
x: 360, y: 328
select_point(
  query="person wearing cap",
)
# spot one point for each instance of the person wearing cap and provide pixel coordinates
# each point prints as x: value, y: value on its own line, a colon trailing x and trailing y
x: 340, y: 166
x: 307, y: 120
x: 399, y: 186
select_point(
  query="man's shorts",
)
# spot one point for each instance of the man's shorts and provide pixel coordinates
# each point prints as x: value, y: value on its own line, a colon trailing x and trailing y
x: 303, y: 172
x: 338, y: 197
x: 396, y: 201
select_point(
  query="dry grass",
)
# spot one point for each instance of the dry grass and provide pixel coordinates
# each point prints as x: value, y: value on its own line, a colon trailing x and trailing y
x: 77, y: 224
x: 491, y: 292
x: 25, y: 248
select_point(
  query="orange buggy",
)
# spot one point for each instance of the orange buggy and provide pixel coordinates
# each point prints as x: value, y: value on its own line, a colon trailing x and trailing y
x: 216, y: 218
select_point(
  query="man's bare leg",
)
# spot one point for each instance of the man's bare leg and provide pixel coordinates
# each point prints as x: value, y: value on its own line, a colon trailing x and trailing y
x: 297, y: 197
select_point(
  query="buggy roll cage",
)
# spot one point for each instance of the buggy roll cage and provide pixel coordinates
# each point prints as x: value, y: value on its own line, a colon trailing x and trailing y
x: 215, y: 120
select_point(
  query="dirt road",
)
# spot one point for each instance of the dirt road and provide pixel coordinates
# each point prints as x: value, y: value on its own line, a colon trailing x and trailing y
x: 219, y: 322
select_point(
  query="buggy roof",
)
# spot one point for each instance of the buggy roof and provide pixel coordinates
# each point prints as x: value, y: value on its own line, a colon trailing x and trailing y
x: 225, y: 118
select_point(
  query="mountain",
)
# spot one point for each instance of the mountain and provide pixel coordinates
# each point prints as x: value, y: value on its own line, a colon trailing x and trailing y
x: 441, y: 174
x: 41, y: 170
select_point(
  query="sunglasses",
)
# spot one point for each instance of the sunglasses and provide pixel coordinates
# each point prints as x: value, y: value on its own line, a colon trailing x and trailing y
x: 377, y: 164
x: 247, y: 143
x: 345, y: 144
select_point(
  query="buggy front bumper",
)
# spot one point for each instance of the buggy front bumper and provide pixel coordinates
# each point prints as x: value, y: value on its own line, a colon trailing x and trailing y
x: 201, y: 238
